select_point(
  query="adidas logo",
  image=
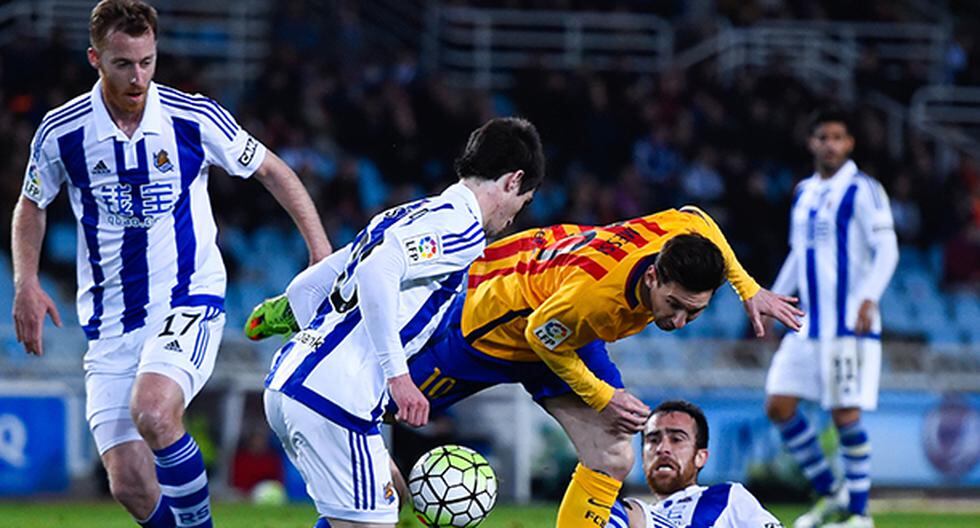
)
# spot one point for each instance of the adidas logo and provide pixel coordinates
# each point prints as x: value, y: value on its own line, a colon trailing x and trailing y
x: 100, y: 169
x: 173, y: 346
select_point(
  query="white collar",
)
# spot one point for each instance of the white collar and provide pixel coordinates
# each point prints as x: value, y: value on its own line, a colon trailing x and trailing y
x: 844, y: 173
x: 464, y: 193
x: 105, y: 127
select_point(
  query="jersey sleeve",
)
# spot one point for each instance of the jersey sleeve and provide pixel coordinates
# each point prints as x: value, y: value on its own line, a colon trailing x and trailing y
x: 873, y: 214
x: 44, y: 174
x: 312, y: 286
x: 745, y: 286
x: 746, y: 511
x: 228, y: 145
x: 569, y: 319
x: 439, y: 242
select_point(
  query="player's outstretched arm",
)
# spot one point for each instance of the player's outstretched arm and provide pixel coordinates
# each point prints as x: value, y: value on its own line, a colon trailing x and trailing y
x: 780, y: 307
x: 31, y: 303
x: 288, y: 190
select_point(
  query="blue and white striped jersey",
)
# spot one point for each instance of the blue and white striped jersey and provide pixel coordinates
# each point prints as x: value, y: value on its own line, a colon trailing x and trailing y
x: 727, y: 505
x: 843, y: 250
x: 147, y: 237
x: 339, y: 364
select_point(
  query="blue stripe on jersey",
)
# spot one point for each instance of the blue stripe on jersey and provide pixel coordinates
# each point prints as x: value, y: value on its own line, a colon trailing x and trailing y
x: 618, y: 518
x: 181, y: 106
x: 204, y: 102
x: 811, y: 276
x: 710, y: 505
x: 321, y: 313
x: 135, y: 273
x: 353, y: 470
x: 462, y: 237
x: 190, y: 154
x: 295, y: 389
x: 72, y: 150
x: 431, y: 306
x: 74, y: 112
x: 276, y: 360
x: 844, y: 214
x: 457, y: 249
x: 367, y: 240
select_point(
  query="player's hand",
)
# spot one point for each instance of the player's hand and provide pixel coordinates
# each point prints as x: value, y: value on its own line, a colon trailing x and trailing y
x: 780, y: 307
x: 31, y: 304
x: 413, y: 408
x: 625, y: 413
x: 865, y: 315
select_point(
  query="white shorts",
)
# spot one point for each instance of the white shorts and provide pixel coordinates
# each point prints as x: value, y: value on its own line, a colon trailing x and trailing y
x: 839, y: 373
x: 347, y: 474
x: 182, y: 346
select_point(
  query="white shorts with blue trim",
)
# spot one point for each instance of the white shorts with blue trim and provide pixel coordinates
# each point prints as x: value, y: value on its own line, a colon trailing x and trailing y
x: 182, y: 345
x: 843, y: 372
x: 347, y: 473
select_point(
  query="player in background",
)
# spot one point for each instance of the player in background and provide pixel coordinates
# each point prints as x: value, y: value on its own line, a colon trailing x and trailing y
x: 675, y: 449
x: 389, y: 290
x: 843, y: 251
x: 135, y: 156
x: 540, y: 306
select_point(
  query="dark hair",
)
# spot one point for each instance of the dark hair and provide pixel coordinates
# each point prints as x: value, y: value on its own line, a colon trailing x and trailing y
x: 502, y: 145
x: 692, y: 410
x: 132, y: 17
x: 692, y: 261
x: 829, y: 114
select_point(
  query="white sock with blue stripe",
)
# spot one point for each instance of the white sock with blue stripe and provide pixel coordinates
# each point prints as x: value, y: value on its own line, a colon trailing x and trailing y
x: 856, y: 451
x: 184, y: 482
x: 800, y: 438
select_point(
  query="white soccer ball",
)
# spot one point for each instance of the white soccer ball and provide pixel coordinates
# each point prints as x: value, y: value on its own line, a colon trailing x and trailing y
x: 452, y: 486
x: 269, y: 493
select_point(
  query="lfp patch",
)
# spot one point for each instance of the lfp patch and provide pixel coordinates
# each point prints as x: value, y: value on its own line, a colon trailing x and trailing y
x: 552, y: 333
x: 422, y: 248
x: 32, y: 184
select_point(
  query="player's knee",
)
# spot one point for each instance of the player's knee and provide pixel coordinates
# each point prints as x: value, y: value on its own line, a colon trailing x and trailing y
x: 158, y: 424
x: 780, y: 409
x: 616, y: 460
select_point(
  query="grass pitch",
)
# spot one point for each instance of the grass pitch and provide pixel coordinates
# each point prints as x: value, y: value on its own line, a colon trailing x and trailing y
x: 33, y: 514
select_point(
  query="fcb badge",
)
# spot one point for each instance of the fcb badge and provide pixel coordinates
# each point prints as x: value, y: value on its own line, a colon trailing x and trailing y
x: 161, y: 160
x: 422, y: 248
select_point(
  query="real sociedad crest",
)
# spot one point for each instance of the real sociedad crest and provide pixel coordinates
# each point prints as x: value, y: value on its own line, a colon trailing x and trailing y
x: 161, y: 160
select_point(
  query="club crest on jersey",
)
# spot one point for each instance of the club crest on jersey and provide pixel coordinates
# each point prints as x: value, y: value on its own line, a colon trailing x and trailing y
x: 389, y: 493
x: 552, y: 333
x: 32, y: 184
x: 422, y: 248
x: 161, y: 160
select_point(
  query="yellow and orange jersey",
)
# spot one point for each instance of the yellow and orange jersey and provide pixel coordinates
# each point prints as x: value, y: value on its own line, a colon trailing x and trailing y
x: 541, y: 294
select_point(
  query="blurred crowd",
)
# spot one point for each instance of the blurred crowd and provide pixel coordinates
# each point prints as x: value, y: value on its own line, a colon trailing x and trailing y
x: 366, y: 130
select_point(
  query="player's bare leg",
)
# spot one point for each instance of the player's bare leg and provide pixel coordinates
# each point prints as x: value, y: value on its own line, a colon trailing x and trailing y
x: 605, y: 458
x: 157, y: 407
x: 781, y: 408
x: 132, y: 477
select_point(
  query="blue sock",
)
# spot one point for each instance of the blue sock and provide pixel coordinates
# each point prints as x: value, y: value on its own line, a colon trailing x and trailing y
x: 856, y: 450
x: 184, y: 482
x: 322, y: 522
x: 801, y: 441
x: 162, y: 516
